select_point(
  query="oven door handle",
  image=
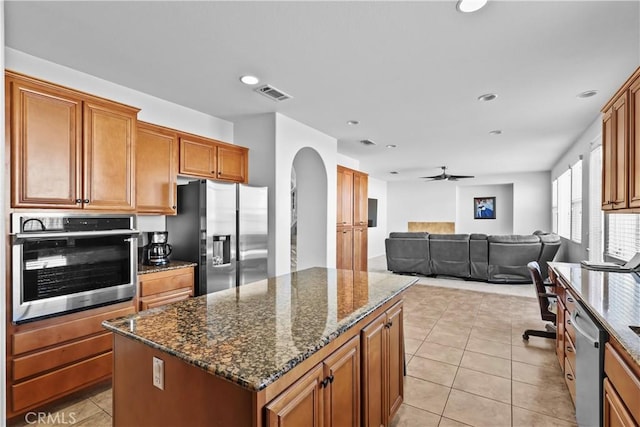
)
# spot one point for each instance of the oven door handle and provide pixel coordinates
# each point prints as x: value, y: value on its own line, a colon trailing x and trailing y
x: 18, y: 238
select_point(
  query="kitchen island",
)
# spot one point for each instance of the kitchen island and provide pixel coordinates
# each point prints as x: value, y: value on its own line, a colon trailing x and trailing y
x: 316, y: 347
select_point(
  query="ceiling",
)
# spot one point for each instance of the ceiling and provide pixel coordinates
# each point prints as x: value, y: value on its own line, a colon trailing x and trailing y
x: 409, y: 72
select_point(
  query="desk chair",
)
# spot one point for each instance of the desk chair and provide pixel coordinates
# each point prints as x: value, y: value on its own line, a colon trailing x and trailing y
x: 547, y: 303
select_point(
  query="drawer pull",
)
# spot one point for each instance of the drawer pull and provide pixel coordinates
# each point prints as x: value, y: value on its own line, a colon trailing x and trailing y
x: 570, y: 377
x: 569, y: 299
x: 569, y: 349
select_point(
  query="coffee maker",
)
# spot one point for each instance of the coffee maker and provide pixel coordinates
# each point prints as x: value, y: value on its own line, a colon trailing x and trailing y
x: 157, y: 250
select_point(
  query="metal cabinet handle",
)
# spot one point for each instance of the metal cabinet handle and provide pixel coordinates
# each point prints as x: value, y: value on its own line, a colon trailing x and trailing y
x: 85, y: 201
x: 570, y: 377
x: 569, y: 299
x: 78, y: 200
x: 330, y: 378
x: 569, y: 349
x: 173, y: 207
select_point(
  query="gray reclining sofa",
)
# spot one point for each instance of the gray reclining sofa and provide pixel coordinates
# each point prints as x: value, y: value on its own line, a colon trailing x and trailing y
x: 496, y: 259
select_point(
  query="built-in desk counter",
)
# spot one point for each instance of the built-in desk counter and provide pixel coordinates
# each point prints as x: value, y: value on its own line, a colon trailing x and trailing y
x: 227, y: 355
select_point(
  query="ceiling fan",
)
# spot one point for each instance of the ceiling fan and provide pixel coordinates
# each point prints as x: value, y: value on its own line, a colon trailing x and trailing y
x: 444, y: 176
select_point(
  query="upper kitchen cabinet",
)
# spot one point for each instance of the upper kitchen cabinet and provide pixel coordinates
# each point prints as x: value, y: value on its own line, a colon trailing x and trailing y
x: 621, y: 148
x: 208, y: 158
x: 156, y: 169
x: 68, y: 149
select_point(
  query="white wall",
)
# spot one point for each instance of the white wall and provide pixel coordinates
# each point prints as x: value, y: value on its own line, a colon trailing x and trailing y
x: 3, y: 270
x: 376, y: 236
x: 273, y: 141
x: 291, y: 137
x: 311, y: 181
x: 437, y: 201
x: 347, y: 162
x: 465, y: 221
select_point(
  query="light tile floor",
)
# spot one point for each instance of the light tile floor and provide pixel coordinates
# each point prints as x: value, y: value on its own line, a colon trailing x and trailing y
x: 467, y: 365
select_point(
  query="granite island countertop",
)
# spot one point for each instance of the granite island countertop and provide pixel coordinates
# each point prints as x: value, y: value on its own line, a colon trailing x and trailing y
x: 253, y: 334
x: 172, y: 265
x: 613, y: 298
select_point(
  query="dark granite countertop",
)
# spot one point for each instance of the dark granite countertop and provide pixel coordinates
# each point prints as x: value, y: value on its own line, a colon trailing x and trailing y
x: 253, y: 334
x: 173, y: 264
x: 613, y: 298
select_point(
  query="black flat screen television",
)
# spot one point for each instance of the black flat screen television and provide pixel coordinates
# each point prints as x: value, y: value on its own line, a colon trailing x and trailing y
x: 373, y: 213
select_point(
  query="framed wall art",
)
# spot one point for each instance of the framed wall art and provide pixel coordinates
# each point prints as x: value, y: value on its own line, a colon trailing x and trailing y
x: 484, y: 208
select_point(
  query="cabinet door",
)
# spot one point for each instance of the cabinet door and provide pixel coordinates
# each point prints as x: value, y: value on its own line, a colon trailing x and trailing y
x: 608, y: 165
x: 344, y: 240
x: 620, y: 140
x: 360, y: 248
x: 45, y: 130
x: 634, y: 144
x: 374, y: 396
x: 360, y: 200
x: 301, y: 405
x: 395, y: 358
x: 615, y: 413
x: 342, y: 396
x: 197, y: 157
x: 345, y: 197
x: 109, y: 156
x: 156, y: 169
x: 232, y: 163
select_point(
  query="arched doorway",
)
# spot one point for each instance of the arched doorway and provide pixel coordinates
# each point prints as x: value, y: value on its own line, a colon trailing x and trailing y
x: 308, y: 210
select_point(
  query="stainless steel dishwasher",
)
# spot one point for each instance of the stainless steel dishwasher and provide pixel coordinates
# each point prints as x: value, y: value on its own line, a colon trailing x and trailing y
x: 590, y: 340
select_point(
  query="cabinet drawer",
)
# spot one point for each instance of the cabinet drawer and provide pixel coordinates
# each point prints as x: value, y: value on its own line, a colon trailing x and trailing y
x: 568, y: 326
x: 155, y: 283
x: 570, y: 351
x: 570, y: 379
x: 158, y: 300
x: 58, y: 383
x: 42, y: 361
x: 569, y: 301
x: 626, y: 383
x: 60, y: 332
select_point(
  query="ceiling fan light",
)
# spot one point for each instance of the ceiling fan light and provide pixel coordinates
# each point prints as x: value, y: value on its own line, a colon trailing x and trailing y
x: 468, y: 6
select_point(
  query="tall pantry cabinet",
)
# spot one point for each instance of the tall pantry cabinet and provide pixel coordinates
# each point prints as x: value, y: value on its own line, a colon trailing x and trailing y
x: 351, y: 220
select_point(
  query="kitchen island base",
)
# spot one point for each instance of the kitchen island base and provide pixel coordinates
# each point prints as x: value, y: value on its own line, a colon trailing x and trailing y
x: 322, y: 390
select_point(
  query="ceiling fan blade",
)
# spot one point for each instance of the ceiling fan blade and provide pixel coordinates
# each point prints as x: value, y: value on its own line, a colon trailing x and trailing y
x: 461, y: 176
x: 434, y: 177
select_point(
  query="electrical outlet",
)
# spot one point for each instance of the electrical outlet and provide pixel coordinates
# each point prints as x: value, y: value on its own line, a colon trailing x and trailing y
x: 158, y: 373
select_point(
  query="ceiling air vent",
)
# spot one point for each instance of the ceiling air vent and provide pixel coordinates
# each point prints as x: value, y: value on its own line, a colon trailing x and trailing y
x: 367, y: 142
x: 273, y: 93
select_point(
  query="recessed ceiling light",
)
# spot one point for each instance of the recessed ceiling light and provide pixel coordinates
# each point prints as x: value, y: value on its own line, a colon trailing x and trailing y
x: 249, y: 80
x: 391, y: 145
x: 353, y: 122
x: 467, y: 6
x: 587, y: 94
x: 495, y: 132
x: 393, y: 173
x: 487, y: 97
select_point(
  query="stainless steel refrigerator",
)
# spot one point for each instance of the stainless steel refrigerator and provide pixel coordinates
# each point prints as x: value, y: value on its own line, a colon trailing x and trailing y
x: 224, y: 228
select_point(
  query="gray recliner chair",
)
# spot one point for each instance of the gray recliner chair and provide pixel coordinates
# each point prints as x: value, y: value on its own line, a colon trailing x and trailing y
x: 408, y: 253
x: 479, y: 256
x: 449, y: 254
x: 509, y: 256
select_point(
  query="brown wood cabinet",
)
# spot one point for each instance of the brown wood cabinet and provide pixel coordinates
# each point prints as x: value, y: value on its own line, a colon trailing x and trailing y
x: 382, y: 368
x: 51, y: 358
x: 352, y: 217
x: 164, y: 287
x: 156, y: 169
x: 622, y: 388
x: 620, y: 152
x: 328, y: 395
x: 68, y: 149
x: 211, y: 159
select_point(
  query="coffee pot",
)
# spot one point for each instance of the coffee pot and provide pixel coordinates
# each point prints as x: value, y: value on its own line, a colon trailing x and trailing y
x: 157, y: 250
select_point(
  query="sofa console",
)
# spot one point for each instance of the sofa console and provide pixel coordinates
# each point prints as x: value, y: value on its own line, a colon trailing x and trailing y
x: 496, y: 259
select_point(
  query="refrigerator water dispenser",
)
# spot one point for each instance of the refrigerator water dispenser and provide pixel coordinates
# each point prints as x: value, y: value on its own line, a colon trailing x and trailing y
x: 221, y: 250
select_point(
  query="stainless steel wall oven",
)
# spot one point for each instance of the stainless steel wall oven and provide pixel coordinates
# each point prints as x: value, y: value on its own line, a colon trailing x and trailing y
x: 63, y: 263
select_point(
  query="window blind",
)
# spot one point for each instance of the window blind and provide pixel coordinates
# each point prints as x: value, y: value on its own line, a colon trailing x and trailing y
x: 596, y: 217
x: 554, y: 206
x: 576, y: 202
x: 564, y: 205
x: 623, y: 236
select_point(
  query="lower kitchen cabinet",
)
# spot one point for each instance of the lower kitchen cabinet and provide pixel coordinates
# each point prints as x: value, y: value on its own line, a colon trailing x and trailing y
x: 52, y: 358
x: 382, y: 367
x: 621, y: 390
x: 164, y: 287
x: 328, y: 395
